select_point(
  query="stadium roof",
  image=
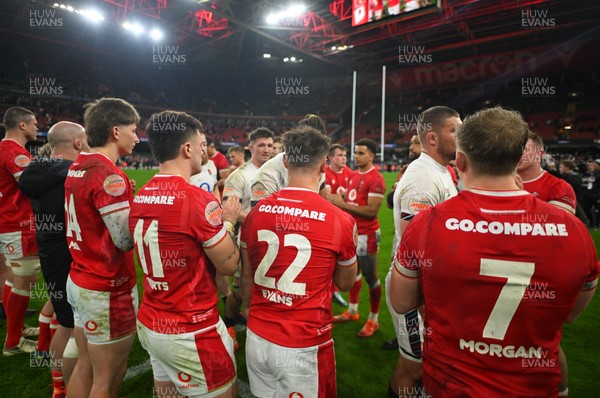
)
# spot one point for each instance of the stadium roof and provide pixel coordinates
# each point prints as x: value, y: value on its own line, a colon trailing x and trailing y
x: 232, y: 35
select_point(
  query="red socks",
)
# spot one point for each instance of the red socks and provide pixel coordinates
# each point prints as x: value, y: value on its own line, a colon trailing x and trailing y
x: 45, y: 336
x: 375, y: 296
x: 355, y: 290
x: 17, y: 303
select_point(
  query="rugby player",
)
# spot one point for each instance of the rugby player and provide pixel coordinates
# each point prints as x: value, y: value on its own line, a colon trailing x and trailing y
x: 17, y: 230
x: 494, y: 307
x: 366, y: 189
x: 294, y: 243
x: 102, y: 287
x: 177, y: 228
x: 239, y: 184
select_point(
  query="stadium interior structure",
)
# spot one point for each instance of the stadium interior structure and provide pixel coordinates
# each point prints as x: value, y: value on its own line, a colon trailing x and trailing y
x: 239, y: 64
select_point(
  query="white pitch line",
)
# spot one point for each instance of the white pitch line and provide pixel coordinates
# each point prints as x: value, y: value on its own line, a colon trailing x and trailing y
x: 138, y: 370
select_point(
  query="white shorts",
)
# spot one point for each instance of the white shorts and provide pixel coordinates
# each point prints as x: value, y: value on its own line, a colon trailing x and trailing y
x: 277, y: 371
x: 368, y: 244
x: 18, y: 244
x: 408, y: 328
x: 200, y: 363
x: 106, y: 317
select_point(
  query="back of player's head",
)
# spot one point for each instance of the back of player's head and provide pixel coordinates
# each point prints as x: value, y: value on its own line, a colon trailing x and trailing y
x: 335, y: 147
x: 13, y: 116
x: 168, y: 130
x: 236, y: 148
x: 261, y: 132
x: 433, y: 119
x: 102, y: 115
x: 537, y: 140
x: 315, y: 122
x: 569, y: 164
x: 64, y: 133
x: 369, y: 143
x: 305, y: 147
x: 493, y: 140
x: 277, y: 140
x: 209, y: 141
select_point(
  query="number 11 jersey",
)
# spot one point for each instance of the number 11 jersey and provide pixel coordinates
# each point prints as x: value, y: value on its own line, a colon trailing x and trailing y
x: 171, y: 223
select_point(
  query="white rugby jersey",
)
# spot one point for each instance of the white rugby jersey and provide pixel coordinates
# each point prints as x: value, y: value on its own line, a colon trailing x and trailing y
x: 425, y: 183
x: 207, y: 178
x: 272, y: 177
x: 239, y: 183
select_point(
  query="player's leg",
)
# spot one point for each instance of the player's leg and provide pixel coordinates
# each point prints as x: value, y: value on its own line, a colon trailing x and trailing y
x: 258, y: 354
x: 351, y: 314
x: 308, y: 372
x: 80, y: 382
x: 24, y: 271
x: 166, y: 389
x: 233, y: 306
x: 563, y: 387
x: 406, y: 379
x: 109, y: 321
x: 44, y: 319
x: 198, y: 364
x: 109, y: 365
x: 5, y: 288
x: 368, y: 266
x: 63, y: 359
x: 70, y: 358
x: 56, y: 350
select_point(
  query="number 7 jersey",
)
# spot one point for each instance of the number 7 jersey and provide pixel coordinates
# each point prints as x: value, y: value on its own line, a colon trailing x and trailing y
x: 500, y: 272
x: 295, y: 239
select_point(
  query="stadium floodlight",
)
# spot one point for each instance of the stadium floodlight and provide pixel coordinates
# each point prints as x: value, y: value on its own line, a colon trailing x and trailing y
x: 272, y: 18
x: 156, y: 34
x: 71, y: 9
x: 63, y: 6
x: 92, y: 15
x: 295, y: 10
x: 55, y: 5
x: 266, y: 55
x: 333, y: 48
x: 286, y: 59
x: 134, y: 27
x: 293, y: 59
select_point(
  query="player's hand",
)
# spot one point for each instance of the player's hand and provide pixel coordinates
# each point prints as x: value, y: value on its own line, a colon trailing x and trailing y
x: 133, y: 185
x: 518, y: 181
x: 336, y: 200
x: 231, y: 209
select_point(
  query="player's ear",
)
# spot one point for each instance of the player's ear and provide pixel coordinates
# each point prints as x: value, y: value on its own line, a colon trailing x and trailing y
x: 431, y: 138
x: 461, y: 161
x: 114, y: 133
x: 285, y: 162
x: 323, y: 165
x: 186, y: 150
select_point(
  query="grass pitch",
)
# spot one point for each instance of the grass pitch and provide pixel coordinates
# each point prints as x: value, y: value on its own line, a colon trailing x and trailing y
x: 363, y: 368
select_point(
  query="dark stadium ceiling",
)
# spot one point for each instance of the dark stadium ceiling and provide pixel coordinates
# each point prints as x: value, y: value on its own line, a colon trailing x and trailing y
x: 233, y: 35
